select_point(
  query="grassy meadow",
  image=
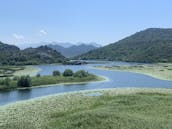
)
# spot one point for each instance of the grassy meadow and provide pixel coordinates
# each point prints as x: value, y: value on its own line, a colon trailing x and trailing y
x: 114, y: 109
x: 160, y: 70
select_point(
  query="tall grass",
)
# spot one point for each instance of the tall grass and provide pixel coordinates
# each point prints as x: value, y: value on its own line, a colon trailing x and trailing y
x: 115, y: 109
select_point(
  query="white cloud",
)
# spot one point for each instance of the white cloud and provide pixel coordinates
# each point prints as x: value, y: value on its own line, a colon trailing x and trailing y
x: 43, y: 32
x: 18, y: 36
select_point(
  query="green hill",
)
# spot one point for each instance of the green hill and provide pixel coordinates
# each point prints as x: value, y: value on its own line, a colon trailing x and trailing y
x: 12, y: 55
x: 150, y: 45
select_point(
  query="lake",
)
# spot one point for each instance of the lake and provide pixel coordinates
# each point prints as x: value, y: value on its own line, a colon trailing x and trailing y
x: 115, y: 80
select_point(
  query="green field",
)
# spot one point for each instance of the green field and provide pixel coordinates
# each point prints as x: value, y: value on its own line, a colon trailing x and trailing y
x: 160, y: 70
x: 114, y: 109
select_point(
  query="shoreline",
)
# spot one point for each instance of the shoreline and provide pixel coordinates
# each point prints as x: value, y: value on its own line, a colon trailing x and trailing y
x: 110, y: 91
x: 132, y: 71
x: 127, y: 107
x: 99, y: 79
x: 31, y: 70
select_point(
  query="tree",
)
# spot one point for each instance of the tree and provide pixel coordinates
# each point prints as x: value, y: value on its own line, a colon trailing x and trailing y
x: 81, y: 74
x: 56, y: 73
x: 15, y: 78
x: 38, y: 75
x: 68, y: 72
x: 7, y: 81
x: 24, y: 81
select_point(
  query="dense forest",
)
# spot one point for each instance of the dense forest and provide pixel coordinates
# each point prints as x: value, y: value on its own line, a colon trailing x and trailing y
x: 150, y: 45
x: 12, y: 55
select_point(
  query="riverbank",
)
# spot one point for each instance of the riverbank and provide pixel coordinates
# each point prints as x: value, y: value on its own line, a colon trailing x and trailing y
x: 28, y: 70
x: 11, y: 71
x: 45, y: 81
x: 113, y: 108
x: 161, y: 71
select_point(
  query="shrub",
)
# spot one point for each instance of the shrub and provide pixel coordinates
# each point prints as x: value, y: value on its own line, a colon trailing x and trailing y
x: 56, y: 73
x: 81, y: 74
x: 24, y: 81
x: 38, y: 75
x: 7, y: 81
x: 68, y: 72
x: 15, y: 78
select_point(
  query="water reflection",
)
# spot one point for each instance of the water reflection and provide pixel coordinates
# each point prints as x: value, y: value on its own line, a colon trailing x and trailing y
x: 24, y: 94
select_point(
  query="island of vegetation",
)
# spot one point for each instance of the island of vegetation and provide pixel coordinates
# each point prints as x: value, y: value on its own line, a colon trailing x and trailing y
x: 68, y: 76
x: 158, y: 70
x: 111, y: 109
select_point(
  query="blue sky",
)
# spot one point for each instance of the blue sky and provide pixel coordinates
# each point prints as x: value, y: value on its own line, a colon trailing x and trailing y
x: 101, y: 21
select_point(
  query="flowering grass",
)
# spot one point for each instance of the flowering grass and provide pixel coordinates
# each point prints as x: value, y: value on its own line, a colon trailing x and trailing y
x: 161, y: 70
x: 113, y: 109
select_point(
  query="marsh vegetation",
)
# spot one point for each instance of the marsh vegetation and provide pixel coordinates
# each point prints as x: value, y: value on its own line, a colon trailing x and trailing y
x: 68, y: 76
x: 114, y: 108
x: 160, y: 70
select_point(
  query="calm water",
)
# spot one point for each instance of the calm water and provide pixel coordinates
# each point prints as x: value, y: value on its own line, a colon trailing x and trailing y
x: 115, y: 79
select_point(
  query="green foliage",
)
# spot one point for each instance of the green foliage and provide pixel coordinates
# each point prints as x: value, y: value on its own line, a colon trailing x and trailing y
x: 81, y: 74
x: 15, y: 78
x: 5, y: 82
x: 24, y: 81
x: 56, y: 73
x: 151, y: 45
x: 27, y: 81
x: 68, y: 72
x: 12, y: 55
x: 38, y: 75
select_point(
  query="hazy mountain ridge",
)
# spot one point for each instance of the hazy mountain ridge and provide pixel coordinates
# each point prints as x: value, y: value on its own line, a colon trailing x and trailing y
x: 150, y: 45
x: 73, y: 50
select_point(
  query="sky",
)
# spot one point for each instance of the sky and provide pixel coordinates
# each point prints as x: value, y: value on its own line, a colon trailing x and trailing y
x: 103, y: 21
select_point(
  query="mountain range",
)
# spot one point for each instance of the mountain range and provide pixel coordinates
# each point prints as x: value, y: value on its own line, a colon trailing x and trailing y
x: 150, y: 45
x: 73, y: 50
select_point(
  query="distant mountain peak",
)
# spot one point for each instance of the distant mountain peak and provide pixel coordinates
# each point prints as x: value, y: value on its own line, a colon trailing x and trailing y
x: 73, y: 50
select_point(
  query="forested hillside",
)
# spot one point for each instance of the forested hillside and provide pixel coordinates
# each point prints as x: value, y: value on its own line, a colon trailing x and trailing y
x: 150, y: 45
x: 12, y: 55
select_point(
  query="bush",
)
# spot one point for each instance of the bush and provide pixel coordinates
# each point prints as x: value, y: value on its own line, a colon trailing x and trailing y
x: 56, y: 73
x: 38, y: 75
x: 7, y: 81
x: 68, y: 72
x: 81, y: 74
x: 15, y: 78
x: 24, y: 81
